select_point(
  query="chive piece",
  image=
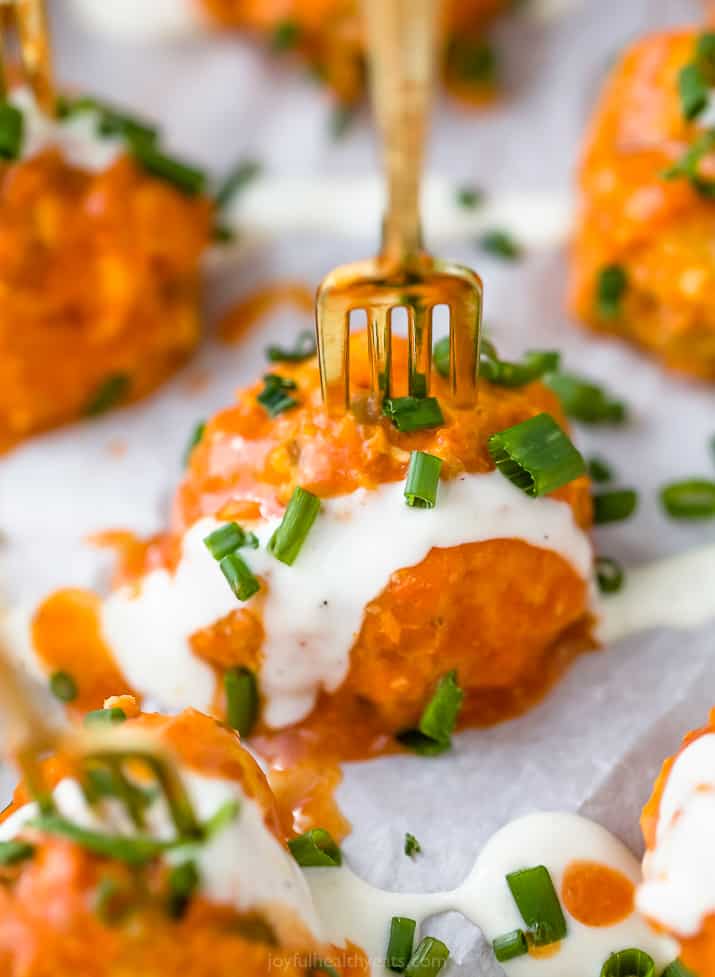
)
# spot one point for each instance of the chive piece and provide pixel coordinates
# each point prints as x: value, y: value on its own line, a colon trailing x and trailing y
x: 611, y: 285
x: 14, y: 852
x: 110, y: 716
x: 183, y: 882
x: 677, y: 969
x: 186, y: 178
x: 111, y: 390
x: 412, y: 845
x: 440, y: 356
x: 12, y: 129
x: 288, y: 539
x: 609, y: 575
x: 285, y: 35
x: 501, y: 244
x: 273, y: 398
x: 315, y: 848
x: 227, y: 813
x: 629, y: 963
x: 439, y: 718
x: 469, y: 197
x: 428, y: 959
x: 323, y: 967
x: 196, y: 436
x: 133, y: 851
x: 243, y: 173
x: 693, y: 91
x: 510, y: 945
x: 413, y: 413
x: 687, y: 167
x: 586, y: 401
x: 63, y: 686
x: 422, y: 480
x: 536, y: 899
x: 340, y: 122
x: 401, y: 942
x: 503, y: 373
x: 614, y: 506
x: 473, y: 61
x: 112, y: 121
x: 693, y: 498
x: 240, y: 578
x: 536, y: 455
x: 599, y: 470
x: 241, y: 700
x: 228, y: 539
x: 705, y: 56
x: 303, y: 349
x: 223, y: 234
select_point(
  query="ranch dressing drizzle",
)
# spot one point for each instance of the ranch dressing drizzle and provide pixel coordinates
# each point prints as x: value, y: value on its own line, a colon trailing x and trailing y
x: 76, y: 137
x: 676, y: 592
x: 678, y: 890
x: 353, y: 910
x: 312, y: 611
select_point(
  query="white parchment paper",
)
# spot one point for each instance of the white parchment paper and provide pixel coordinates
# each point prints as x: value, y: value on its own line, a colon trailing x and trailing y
x: 595, y: 744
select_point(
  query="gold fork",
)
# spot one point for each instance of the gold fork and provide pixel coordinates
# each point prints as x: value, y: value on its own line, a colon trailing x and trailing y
x: 401, y: 43
x: 25, y: 21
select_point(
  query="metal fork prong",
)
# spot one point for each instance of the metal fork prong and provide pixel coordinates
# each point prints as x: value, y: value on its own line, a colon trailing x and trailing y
x: 6, y: 21
x: 332, y: 328
x: 380, y: 351
x: 419, y: 338
x: 464, y: 353
x: 33, y: 31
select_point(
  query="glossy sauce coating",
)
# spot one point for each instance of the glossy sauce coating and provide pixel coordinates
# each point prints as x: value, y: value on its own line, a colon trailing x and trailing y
x: 595, y: 894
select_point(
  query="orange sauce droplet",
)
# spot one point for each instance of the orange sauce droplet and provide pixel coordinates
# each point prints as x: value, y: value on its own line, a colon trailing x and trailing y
x: 248, y: 311
x: 595, y: 894
x: 543, y: 952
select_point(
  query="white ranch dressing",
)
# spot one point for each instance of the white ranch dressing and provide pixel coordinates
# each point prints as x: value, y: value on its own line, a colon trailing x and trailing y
x: 242, y: 865
x: 678, y: 891
x: 353, y: 910
x: 312, y: 611
x: 676, y: 592
x: 76, y: 137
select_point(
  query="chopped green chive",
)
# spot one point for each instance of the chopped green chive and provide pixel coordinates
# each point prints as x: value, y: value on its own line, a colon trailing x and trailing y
x: 609, y: 575
x: 132, y: 850
x: 186, y: 178
x: 503, y: 373
x: 473, y: 61
x: 239, y: 576
x: 439, y: 718
x: 288, y: 539
x: 315, y: 848
x: 536, y: 455
x: 440, y: 356
x: 614, y: 506
x: 510, y: 945
x: 12, y: 127
x: 413, y: 413
x: 585, y: 401
x: 468, y: 197
x: 705, y: 56
x: 412, y: 845
x: 536, y: 899
x: 285, y: 35
x: 501, y: 244
x: 687, y: 167
x: 693, y: 498
x: 323, y: 967
x: 241, y: 690
x: 113, y: 389
x: 693, y: 91
x: 677, y: 969
x: 228, y: 539
x: 183, y: 882
x: 340, y: 122
x: 112, y: 121
x: 274, y: 397
x: 63, y: 686
x: 14, y: 852
x: 223, y: 234
x: 401, y: 942
x: 109, y: 716
x: 629, y: 963
x: 303, y: 348
x: 599, y: 470
x: 243, y: 173
x: 196, y: 436
x: 422, y: 480
x: 611, y: 285
x: 428, y: 959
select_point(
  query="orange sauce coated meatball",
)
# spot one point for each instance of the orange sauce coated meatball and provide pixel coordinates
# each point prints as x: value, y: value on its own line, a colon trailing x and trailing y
x: 99, y: 279
x: 659, y: 232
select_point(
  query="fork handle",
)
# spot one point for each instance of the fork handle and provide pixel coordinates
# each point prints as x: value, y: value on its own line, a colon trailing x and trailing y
x: 401, y: 44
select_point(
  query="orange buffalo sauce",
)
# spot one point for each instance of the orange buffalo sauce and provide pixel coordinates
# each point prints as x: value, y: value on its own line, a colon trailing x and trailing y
x: 595, y: 894
x: 247, y: 312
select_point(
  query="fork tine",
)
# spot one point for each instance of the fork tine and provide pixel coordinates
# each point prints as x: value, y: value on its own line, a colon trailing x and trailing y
x: 332, y: 328
x: 32, y: 27
x: 5, y: 28
x: 464, y: 336
x: 419, y: 336
x: 380, y: 351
